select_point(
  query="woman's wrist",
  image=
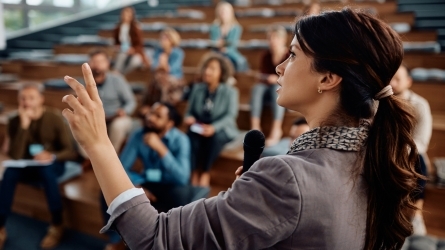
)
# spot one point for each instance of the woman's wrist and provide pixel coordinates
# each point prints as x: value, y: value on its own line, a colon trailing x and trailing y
x: 97, y: 148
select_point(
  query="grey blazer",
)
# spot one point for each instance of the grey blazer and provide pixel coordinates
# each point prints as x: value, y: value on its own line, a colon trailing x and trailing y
x: 304, y: 200
x: 225, y: 110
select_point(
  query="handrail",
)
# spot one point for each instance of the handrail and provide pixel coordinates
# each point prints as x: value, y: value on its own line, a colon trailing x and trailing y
x: 71, y: 18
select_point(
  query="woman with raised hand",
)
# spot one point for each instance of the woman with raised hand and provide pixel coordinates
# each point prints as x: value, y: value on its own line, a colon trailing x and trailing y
x: 345, y: 184
x: 226, y: 32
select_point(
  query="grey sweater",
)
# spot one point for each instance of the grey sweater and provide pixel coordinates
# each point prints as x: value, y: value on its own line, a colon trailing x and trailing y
x: 304, y: 200
x: 115, y: 94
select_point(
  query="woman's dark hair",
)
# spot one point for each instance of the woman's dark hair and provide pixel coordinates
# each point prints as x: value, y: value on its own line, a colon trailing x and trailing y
x: 226, y: 66
x: 366, y: 53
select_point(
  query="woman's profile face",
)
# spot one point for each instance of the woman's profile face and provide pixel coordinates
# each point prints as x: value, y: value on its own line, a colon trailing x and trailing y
x: 298, y: 82
x: 212, y: 72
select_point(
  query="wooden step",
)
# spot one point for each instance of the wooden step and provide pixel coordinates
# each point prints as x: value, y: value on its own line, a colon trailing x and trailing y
x: 433, y: 210
x: 388, y: 7
x: 412, y: 36
x: 415, y: 60
x: 433, y: 92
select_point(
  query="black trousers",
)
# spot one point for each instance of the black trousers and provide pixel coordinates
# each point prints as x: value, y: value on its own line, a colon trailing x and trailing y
x: 205, y: 150
x: 419, y: 194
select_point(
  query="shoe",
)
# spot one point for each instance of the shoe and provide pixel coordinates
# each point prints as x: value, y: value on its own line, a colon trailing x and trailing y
x: 419, y: 225
x: 116, y: 246
x: 3, y: 236
x: 52, y: 238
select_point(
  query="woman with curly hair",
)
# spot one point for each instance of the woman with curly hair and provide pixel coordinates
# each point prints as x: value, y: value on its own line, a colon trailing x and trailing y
x: 211, y: 114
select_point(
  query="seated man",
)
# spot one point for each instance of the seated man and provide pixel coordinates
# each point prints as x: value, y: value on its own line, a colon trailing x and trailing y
x: 38, y: 133
x: 299, y: 127
x: 116, y: 95
x: 165, y: 155
x: 401, y: 84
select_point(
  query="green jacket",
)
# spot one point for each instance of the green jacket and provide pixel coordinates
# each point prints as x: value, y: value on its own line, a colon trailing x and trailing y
x: 225, y: 110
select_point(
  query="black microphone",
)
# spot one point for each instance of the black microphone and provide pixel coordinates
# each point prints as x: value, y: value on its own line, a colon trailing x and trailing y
x: 253, y: 146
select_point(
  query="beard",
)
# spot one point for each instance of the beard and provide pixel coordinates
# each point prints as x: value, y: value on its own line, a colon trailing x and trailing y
x: 97, y: 72
x: 151, y: 129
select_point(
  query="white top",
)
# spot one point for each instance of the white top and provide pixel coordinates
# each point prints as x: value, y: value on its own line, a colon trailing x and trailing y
x: 124, y: 197
x: 124, y: 36
x: 424, y: 127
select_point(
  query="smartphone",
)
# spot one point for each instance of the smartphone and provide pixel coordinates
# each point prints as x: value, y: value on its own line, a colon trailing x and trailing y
x: 197, y: 128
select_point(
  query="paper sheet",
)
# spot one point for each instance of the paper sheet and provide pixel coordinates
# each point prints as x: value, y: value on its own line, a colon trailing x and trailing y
x: 25, y: 163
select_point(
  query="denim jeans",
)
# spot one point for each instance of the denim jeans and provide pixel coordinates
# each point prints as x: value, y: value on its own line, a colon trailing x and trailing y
x: 46, y: 176
x: 265, y: 92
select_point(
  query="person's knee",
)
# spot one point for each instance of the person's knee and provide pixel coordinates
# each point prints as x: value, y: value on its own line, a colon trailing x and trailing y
x: 257, y: 90
x: 121, y: 124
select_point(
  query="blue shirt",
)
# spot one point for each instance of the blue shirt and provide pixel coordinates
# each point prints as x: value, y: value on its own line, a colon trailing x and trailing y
x: 175, y: 60
x: 173, y: 168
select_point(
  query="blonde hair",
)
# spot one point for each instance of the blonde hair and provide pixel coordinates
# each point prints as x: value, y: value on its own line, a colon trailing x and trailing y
x: 277, y: 29
x: 221, y: 5
x: 172, y: 35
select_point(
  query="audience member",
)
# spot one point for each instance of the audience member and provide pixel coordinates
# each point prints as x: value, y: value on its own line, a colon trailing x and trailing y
x: 401, y: 83
x: 129, y: 42
x: 299, y: 127
x: 167, y: 65
x: 211, y: 114
x: 226, y: 33
x: 165, y: 154
x: 312, y: 9
x: 37, y: 133
x: 265, y: 90
x: 117, y: 98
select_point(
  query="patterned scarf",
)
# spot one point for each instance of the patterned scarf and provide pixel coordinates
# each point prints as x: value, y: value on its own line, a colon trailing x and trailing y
x: 339, y: 138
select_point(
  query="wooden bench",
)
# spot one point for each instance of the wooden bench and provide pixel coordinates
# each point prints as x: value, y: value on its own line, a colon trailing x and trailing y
x: 388, y: 7
x: 412, y: 36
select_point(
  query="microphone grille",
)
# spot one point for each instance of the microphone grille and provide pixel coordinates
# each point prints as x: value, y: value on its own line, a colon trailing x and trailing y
x: 255, y: 138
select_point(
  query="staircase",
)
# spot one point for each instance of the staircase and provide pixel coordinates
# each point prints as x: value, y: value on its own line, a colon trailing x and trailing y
x: 430, y: 15
x: 89, y: 23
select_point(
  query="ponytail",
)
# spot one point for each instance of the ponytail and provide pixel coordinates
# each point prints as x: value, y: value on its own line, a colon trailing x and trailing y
x: 389, y: 170
x: 366, y: 63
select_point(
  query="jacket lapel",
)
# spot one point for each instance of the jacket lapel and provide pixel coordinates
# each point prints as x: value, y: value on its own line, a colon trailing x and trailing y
x: 219, y: 98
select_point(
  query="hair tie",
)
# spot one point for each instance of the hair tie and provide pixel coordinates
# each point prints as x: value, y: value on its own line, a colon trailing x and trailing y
x: 385, y: 92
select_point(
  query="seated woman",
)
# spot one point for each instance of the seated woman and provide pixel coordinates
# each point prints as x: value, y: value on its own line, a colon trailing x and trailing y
x: 211, y: 114
x: 265, y: 90
x: 226, y: 33
x: 129, y: 43
x: 167, y: 61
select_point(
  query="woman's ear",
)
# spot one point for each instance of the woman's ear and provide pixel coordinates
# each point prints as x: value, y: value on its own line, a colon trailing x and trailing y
x: 330, y: 81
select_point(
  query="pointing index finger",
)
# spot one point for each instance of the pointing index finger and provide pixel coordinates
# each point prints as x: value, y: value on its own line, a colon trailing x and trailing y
x: 90, y: 82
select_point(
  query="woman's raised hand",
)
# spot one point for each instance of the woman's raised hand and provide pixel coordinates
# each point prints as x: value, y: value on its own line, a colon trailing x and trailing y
x: 87, y: 117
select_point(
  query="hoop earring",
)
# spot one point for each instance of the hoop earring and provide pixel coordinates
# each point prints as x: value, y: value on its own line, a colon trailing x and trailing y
x: 319, y: 90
